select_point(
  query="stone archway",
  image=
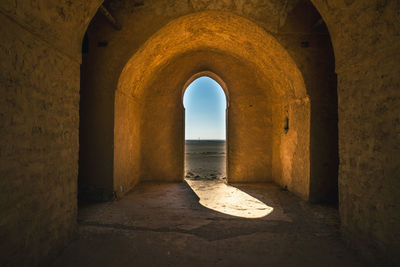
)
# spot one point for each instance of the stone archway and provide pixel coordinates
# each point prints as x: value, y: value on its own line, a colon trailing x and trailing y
x: 354, y: 42
x: 265, y: 86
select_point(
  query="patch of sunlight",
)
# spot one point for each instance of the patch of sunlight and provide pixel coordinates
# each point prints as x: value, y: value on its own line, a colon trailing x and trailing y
x: 228, y: 199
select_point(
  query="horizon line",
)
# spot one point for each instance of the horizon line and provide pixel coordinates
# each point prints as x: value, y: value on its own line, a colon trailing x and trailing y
x: 205, y: 139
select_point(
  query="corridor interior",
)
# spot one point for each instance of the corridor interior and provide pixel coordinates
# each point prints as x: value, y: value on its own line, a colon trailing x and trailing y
x: 92, y: 133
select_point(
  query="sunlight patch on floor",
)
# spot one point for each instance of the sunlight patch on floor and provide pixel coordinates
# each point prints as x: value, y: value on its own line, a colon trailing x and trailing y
x: 228, y: 199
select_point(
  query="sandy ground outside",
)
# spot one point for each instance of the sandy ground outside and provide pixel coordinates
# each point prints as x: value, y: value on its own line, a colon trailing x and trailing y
x: 205, y: 160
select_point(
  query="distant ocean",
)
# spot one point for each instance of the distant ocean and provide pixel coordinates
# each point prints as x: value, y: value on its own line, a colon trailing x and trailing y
x: 204, y: 140
x: 205, y: 146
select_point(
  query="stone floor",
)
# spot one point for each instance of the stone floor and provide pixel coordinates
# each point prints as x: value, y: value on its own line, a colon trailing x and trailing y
x: 169, y: 225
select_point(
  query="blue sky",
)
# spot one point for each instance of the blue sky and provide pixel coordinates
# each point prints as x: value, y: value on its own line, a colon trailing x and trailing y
x: 205, y: 103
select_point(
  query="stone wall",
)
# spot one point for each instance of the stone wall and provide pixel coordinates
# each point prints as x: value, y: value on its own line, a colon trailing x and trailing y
x: 39, y: 103
x: 127, y: 148
x: 291, y: 151
x: 366, y: 42
x: 39, y: 146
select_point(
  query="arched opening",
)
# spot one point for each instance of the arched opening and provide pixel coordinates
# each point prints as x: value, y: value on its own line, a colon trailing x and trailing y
x: 205, y: 106
x: 271, y: 106
x: 265, y: 86
x: 95, y: 168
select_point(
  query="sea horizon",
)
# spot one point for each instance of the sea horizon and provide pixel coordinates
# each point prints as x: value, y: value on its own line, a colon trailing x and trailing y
x: 205, y: 139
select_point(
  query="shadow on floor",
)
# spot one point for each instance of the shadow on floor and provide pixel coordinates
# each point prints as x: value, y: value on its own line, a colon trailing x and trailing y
x: 163, y: 224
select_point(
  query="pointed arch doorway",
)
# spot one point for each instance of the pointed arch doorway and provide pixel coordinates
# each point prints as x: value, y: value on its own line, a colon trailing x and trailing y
x: 205, y: 102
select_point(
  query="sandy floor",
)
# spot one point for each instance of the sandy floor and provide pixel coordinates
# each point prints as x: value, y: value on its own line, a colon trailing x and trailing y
x: 206, y: 222
x: 165, y: 225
